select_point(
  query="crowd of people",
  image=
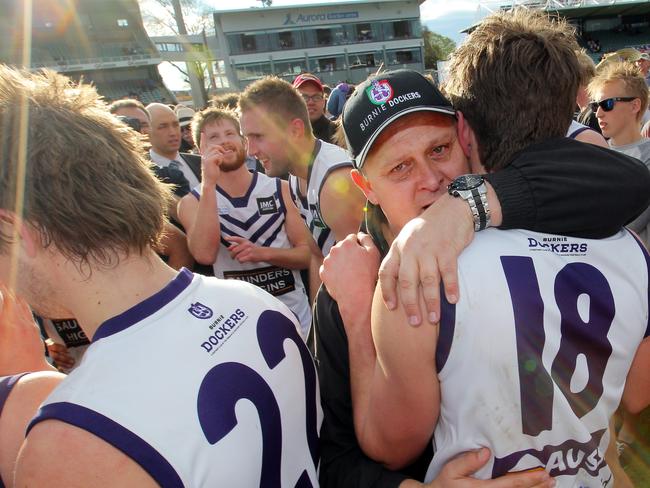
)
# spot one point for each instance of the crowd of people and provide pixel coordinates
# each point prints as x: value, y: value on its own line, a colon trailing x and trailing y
x: 447, y: 287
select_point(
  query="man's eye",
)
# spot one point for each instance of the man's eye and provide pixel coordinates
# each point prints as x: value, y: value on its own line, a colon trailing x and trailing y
x: 400, y: 168
x: 439, y: 150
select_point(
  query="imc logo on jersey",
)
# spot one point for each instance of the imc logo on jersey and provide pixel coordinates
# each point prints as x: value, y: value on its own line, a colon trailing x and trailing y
x: 267, y: 206
x: 317, y: 220
x: 200, y: 311
x: 558, y: 245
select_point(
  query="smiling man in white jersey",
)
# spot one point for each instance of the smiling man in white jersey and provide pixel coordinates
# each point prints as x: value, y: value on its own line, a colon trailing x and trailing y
x: 532, y: 361
x: 243, y: 223
x: 156, y: 400
x: 276, y: 123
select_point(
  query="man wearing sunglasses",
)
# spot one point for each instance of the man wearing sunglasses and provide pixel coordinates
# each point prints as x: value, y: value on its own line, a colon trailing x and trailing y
x: 312, y: 91
x: 622, y: 99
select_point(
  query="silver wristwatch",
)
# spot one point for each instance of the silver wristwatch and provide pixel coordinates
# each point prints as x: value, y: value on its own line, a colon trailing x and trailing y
x: 473, y: 190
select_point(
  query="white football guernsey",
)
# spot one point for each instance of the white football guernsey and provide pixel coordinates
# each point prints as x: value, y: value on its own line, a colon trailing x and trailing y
x: 260, y: 216
x: 206, y: 383
x: 532, y: 360
x: 325, y: 159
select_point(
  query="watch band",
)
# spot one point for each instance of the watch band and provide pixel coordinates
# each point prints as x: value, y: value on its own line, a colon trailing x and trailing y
x: 473, y: 190
x: 480, y: 210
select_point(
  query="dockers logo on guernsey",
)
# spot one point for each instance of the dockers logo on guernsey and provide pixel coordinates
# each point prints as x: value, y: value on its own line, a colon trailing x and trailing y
x: 379, y: 92
x: 222, y: 329
x: 200, y: 311
x: 267, y: 206
x: 558, y: 245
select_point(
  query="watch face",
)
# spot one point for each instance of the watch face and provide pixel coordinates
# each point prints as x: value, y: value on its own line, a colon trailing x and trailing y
x: 466, y: 182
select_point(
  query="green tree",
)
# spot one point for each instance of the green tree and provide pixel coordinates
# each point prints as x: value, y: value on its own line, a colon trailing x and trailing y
x: 436, y: 47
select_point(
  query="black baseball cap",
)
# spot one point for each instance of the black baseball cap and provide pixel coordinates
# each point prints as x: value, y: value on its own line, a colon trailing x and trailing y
x: 382, y: 99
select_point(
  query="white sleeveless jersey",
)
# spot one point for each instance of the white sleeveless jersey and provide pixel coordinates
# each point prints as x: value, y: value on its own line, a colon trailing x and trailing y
x: 326, y: 158
x: 207, y: 383
x: 532, y: 360
x: 575, y: 129
x: 260, y: 216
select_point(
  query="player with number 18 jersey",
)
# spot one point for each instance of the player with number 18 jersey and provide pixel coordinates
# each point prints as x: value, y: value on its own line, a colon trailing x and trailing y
x: 532, y: 364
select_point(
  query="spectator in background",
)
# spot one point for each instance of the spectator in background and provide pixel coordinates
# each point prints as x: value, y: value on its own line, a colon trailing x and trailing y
x: 587, y: 71
x: 643, y: 63
x: 134, y: 109
x: 185, y: 115
x: 165, y: 138
x: 227, y: 100
x: 337, y: 99
x: 621, y: 98
x: 312, y: 91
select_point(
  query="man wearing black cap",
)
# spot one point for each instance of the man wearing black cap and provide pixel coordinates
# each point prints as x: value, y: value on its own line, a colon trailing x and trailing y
x: 521, y: 364
x: 312, y: 92
x: 427, y: 153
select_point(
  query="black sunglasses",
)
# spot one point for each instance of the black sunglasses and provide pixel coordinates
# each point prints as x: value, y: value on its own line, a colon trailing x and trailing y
x: 608, y: 104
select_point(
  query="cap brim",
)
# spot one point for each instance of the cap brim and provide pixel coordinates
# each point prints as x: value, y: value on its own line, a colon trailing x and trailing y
x: 360, y: 160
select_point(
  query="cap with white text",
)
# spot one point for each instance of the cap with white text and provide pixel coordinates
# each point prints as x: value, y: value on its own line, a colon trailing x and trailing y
x: 382, y: 99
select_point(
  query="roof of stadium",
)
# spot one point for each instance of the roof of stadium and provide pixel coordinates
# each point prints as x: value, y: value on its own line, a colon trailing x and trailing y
x: 581, y: 8
x: 309, y: 5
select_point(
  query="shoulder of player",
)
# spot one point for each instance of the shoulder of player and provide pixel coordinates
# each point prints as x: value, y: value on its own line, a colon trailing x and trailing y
x: 59, y: 454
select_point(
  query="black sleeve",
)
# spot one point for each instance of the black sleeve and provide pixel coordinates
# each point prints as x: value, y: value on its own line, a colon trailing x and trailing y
x: 174, y: 177
x: 571, y: 188
x: 343, y: 463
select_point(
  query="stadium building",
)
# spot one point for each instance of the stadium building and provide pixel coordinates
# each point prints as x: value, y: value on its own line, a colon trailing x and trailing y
x: 344, y: 40
x: 602, y: 26
x: 103, y: 42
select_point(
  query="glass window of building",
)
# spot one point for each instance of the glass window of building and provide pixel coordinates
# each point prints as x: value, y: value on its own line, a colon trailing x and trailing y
x: 253, y: 71
x: 291, y: 67
x: 324, y: 37
x: 403, y: 57
x: 365, y: 60
x: 402, y: 29
x: 248, y: 43
x: 364, y: 32
x: 329, y: 63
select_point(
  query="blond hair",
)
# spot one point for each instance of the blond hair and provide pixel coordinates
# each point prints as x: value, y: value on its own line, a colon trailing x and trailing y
x: 87, y: 189
x: 282, y: 100
x: 631, y: 77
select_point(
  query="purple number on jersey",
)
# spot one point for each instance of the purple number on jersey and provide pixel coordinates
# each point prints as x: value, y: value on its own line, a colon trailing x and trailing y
x: 227, y: 383
x: 577, y: 337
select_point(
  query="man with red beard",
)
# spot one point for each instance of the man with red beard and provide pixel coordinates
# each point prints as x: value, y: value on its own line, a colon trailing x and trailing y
x: 244, y: 224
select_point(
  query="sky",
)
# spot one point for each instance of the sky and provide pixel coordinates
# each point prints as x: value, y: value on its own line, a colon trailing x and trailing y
x: 441, y: 16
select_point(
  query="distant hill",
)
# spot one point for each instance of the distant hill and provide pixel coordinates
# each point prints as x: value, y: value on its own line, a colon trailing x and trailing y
x: 452, y: 23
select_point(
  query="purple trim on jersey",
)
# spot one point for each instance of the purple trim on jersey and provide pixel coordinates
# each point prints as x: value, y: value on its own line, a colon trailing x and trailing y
x: 267, y: 225
x: 145, y: 308
x: 116, y: 435
x: 577, y: 132
x: 6, y: 385
x: 278, y: 184
x: 269, y: 241
x: 647, y: 263
x: 242, y: 225
x: 196, y: 193
x: 240, y: 201
x: 446, y: 330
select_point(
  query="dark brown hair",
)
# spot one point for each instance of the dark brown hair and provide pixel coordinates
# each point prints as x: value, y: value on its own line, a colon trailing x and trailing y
x: 515, y: 79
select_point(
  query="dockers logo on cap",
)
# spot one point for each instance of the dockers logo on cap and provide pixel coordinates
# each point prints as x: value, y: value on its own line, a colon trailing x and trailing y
x: 379, y: 92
